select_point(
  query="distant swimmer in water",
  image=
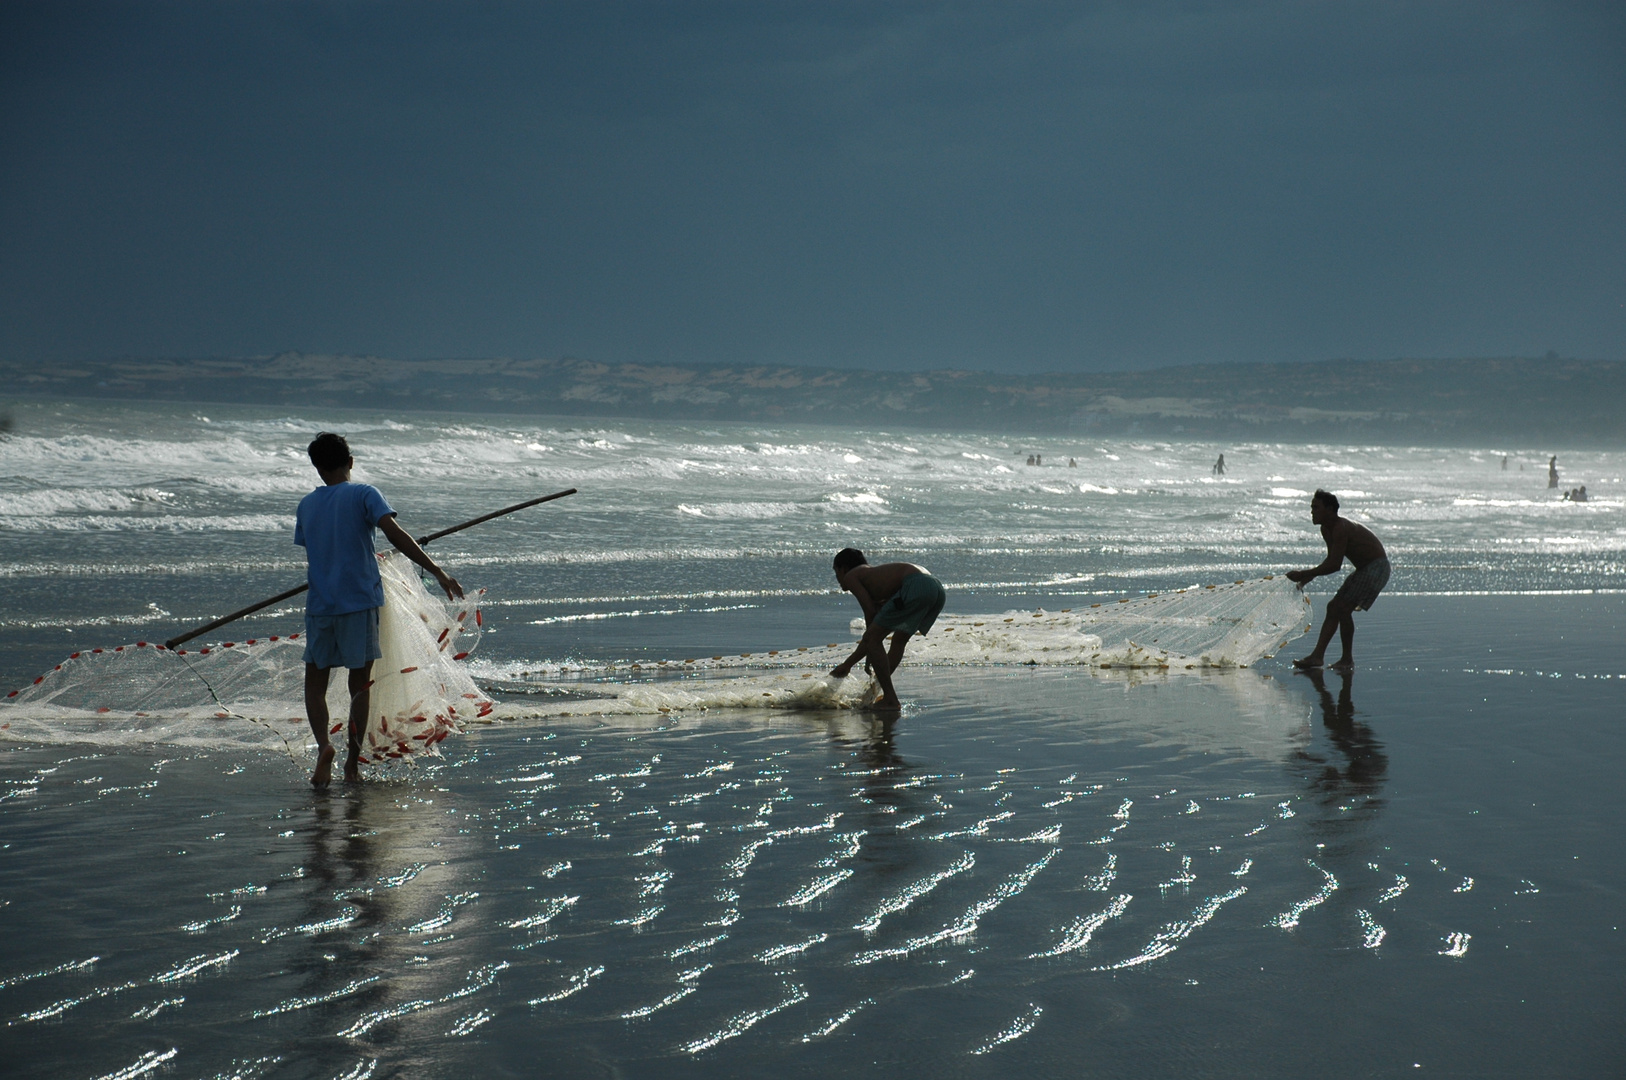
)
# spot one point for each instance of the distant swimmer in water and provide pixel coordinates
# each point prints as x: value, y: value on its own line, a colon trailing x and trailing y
x: 1072, y: 463
x: 898, y: 598
x: 1360, y: 589
x: 1031, y: 461
x: 1504, y: 463
x: 1576, y: 494
x: 1219, y: 466
x: 1552, y: 471
x: 334, y: 524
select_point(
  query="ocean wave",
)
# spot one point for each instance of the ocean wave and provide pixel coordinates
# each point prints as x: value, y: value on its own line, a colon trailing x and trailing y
x: 737, y: 511
x: 67, y: 500
x: 665, y: 493
x: 864, y: 502
x: 295, y: 483
x: 67, y: 459
x: 176, y: 523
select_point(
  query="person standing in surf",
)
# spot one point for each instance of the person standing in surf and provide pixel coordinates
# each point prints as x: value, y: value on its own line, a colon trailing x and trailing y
x: 1345, y: 539
x: 900, y: 599
x: 334, y: 525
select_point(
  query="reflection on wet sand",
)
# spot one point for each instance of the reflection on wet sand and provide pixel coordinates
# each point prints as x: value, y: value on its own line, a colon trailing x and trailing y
x: 377, y: 898
x: 1345, y: 798
x: 1229, y: 712
x: 1364, y: 766
x: 697, y: 893
x: 897, y: 798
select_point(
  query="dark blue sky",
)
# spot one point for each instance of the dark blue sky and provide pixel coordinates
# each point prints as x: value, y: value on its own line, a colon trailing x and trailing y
x: 984, y: 185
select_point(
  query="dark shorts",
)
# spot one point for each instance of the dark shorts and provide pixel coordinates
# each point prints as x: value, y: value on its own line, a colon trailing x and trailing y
x: 1360, y: 589
x: 914, y: 607
x: 348, y: 641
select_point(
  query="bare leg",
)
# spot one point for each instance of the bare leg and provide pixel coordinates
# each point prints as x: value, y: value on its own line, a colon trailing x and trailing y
x: 1346, y: 636
x: 1337, y: 614
x: 360, y: 686
x: 894, y: 655
x: 881, y: 666
x: 316, y: 680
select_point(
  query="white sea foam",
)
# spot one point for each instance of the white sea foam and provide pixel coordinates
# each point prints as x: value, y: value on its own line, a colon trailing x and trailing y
x: 732, y: 511
x: 40, y: 502
x: 175, y: 523
x: 864, y: 502
x: 120, y: 493
x: 781, y: 691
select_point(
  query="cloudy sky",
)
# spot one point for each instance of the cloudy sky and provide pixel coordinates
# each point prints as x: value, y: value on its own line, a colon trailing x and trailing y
x: 1035, y: 187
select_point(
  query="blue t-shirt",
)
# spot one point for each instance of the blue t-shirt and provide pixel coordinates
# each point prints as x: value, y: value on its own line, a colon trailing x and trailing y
x: 335, y: 527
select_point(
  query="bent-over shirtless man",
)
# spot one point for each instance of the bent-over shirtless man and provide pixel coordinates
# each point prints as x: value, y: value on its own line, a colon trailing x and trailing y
x: 898, y: 598
x: 1360, y: 589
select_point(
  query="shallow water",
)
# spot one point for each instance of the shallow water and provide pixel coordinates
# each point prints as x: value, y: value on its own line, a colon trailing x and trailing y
x: 1057, y: 871
x: 127, y: 522
x: 1227, y: 874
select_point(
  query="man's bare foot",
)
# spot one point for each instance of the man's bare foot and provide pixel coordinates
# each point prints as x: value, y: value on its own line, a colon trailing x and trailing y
x: 322, y: 775
x: 1307, y: 662
x: 1346, y: 664
x: 352, y: 770
x: 886, y: 705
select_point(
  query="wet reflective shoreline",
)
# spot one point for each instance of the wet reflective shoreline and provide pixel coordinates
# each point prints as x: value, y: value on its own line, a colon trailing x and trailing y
x: 1030, y: 870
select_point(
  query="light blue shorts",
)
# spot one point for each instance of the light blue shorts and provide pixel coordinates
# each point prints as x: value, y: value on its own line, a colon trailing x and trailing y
x: 348, y: 641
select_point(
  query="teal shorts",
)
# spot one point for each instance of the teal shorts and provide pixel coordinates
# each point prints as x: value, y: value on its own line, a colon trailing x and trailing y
x: 348, y: 641
x: 914, y: 607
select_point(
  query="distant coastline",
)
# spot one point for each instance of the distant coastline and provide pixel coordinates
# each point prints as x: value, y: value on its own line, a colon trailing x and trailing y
x: 1497, y: 401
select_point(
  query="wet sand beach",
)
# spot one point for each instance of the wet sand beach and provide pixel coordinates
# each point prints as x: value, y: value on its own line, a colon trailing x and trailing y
x: 1241, y: 873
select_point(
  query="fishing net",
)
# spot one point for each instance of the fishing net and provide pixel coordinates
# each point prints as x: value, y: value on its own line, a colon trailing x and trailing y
x: 1210, y: 626
x: 422, y: 693
x: 1204, y: 627
x: 143, y: 692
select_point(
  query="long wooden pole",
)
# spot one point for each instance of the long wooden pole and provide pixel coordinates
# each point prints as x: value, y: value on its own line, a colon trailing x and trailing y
x: 495, y: 514
x: 281, y: 596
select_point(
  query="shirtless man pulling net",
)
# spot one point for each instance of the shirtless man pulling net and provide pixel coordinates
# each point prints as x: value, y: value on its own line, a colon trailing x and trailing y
x: 900, y: 599
x: 1345, y: 539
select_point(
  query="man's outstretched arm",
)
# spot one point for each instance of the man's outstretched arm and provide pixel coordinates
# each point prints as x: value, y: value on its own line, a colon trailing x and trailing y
x: 409, y: 547
x: 860, y: 594
x: 842, y: 669
x: 1329, y: 565
x: 869, y: 647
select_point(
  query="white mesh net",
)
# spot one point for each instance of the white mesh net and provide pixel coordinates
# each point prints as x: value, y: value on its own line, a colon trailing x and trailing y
x: 144, y: 693
x: 1203, y: 627
x: 1211, y: 626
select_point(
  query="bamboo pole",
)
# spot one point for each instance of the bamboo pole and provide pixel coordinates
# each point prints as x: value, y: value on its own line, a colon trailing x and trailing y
x: 291, y: 593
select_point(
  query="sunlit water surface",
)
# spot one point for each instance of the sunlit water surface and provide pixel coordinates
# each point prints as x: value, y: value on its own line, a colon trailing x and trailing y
x: 1412, y: 871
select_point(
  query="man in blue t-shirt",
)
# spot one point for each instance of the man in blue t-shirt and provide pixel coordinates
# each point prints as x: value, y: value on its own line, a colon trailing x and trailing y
x: 335, y: 526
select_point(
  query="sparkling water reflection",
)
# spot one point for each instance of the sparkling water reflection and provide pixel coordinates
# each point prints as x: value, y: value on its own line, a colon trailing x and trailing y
x: 961, y: 890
